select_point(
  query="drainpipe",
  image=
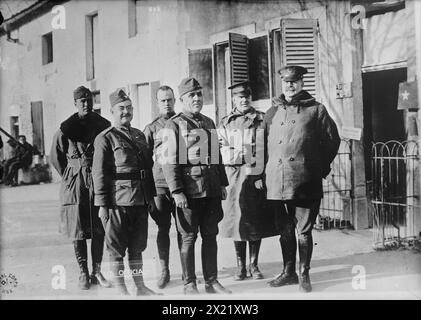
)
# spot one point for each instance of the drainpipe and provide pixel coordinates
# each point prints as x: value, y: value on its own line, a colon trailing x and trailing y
x: 417, y: 17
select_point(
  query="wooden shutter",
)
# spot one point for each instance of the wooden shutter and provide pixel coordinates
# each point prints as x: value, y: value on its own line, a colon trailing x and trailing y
x: 238, y: 45
x: 299, y: 47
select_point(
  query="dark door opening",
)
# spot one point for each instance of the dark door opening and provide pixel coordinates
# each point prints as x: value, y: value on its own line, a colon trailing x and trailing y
x: 37, y: 126
x: 382, y: 119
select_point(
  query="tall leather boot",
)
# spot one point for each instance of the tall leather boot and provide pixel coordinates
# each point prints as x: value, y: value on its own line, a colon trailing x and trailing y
x: 240, y: 252
x: 180, y: 244
x: 210, y: 265
x: 117, y: 267
x: 187, y: 257
x: 81, y: 252
x: 136, y: 268
x: 288, y: 275
x: 163, y: 244
x: 254, y: 247
x: 97, y: 249
x: 305, y: 249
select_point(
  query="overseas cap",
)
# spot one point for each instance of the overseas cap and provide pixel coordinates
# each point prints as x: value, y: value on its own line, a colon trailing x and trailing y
x: 81, y: 92
x: 188, y: 85
x: 118, y: 96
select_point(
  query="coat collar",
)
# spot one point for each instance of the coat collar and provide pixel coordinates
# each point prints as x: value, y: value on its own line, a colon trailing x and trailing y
x: 83, y: 130
x: 301, y: 99
x: 250, y: 115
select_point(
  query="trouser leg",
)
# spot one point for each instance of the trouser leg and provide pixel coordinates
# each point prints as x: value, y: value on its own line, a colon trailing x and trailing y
x: 162, y: 217
x: 288, y: 239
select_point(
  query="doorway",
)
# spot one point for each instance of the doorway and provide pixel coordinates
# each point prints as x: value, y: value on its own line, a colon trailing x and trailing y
x: 382, y: 120
x: 37, y: 126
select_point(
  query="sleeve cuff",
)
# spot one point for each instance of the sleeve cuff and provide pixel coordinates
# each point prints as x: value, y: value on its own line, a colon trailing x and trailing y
x: 101, y: 200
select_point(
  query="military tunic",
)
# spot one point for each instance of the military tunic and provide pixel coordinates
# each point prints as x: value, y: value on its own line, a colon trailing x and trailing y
x: 153, y: 133
x: 246, y: 213
x: 123, y: 181
x: 193, y: 165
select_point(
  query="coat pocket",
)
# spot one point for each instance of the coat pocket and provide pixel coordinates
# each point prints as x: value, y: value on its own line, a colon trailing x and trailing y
x: 193, y: 179
x: 123, y: 154
x: 298, y: 173
x: 127, y: 192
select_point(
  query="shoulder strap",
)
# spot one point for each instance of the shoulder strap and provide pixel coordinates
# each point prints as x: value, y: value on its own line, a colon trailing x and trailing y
x: 190, y: 121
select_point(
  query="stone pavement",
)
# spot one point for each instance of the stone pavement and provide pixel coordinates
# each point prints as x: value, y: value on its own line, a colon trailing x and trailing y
x: 344, y: 265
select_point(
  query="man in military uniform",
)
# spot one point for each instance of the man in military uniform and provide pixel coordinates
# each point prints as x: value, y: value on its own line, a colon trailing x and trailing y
x: 71, y: 155
x: 246, y: 218
x: 165, y: 206
x: 302, y: 141
x: 196, y: 179
x: 123, y: 185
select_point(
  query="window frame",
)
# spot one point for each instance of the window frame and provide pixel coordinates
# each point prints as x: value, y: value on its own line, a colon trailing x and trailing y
x: 47, y: 51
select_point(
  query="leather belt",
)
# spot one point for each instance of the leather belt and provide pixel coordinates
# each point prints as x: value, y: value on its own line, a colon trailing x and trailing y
x: 130, y: 175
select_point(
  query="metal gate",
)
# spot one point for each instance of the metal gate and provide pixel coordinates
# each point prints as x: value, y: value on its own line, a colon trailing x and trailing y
x: 336, y: 205
x: 395, y: 174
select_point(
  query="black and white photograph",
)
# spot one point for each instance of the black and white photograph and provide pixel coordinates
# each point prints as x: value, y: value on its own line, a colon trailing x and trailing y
x: 193, y: 152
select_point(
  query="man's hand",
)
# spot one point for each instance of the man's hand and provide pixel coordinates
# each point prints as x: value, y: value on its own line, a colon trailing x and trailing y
x: 223, y: 193
x: 180, y: 200
x: 259, y: 184
x: 152, y: 207
x: 103, y: 213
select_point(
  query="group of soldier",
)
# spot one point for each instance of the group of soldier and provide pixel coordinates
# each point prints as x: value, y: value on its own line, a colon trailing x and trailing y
x: 259, y: 175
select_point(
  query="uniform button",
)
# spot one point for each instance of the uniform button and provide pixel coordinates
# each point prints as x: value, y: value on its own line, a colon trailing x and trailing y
x: 280, y: 161
x: 291, y: 159
x: 293, y: 121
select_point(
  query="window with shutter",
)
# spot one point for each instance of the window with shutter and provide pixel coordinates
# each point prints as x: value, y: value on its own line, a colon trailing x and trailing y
x: 200, y: 67
x: 299, y: 47
x: 238, y: 45
x: 259, y: 67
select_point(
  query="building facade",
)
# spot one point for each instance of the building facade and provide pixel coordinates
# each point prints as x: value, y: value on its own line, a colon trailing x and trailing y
x: 357, y: 53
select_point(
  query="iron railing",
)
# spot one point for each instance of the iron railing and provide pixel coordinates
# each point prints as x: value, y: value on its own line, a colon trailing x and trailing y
x: 336, y: 205
x: 395, y: 191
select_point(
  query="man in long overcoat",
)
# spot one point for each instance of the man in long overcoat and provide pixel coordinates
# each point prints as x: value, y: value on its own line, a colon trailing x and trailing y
x: 302, y: 141
x: 246, y: 216
x: 71, y: 155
